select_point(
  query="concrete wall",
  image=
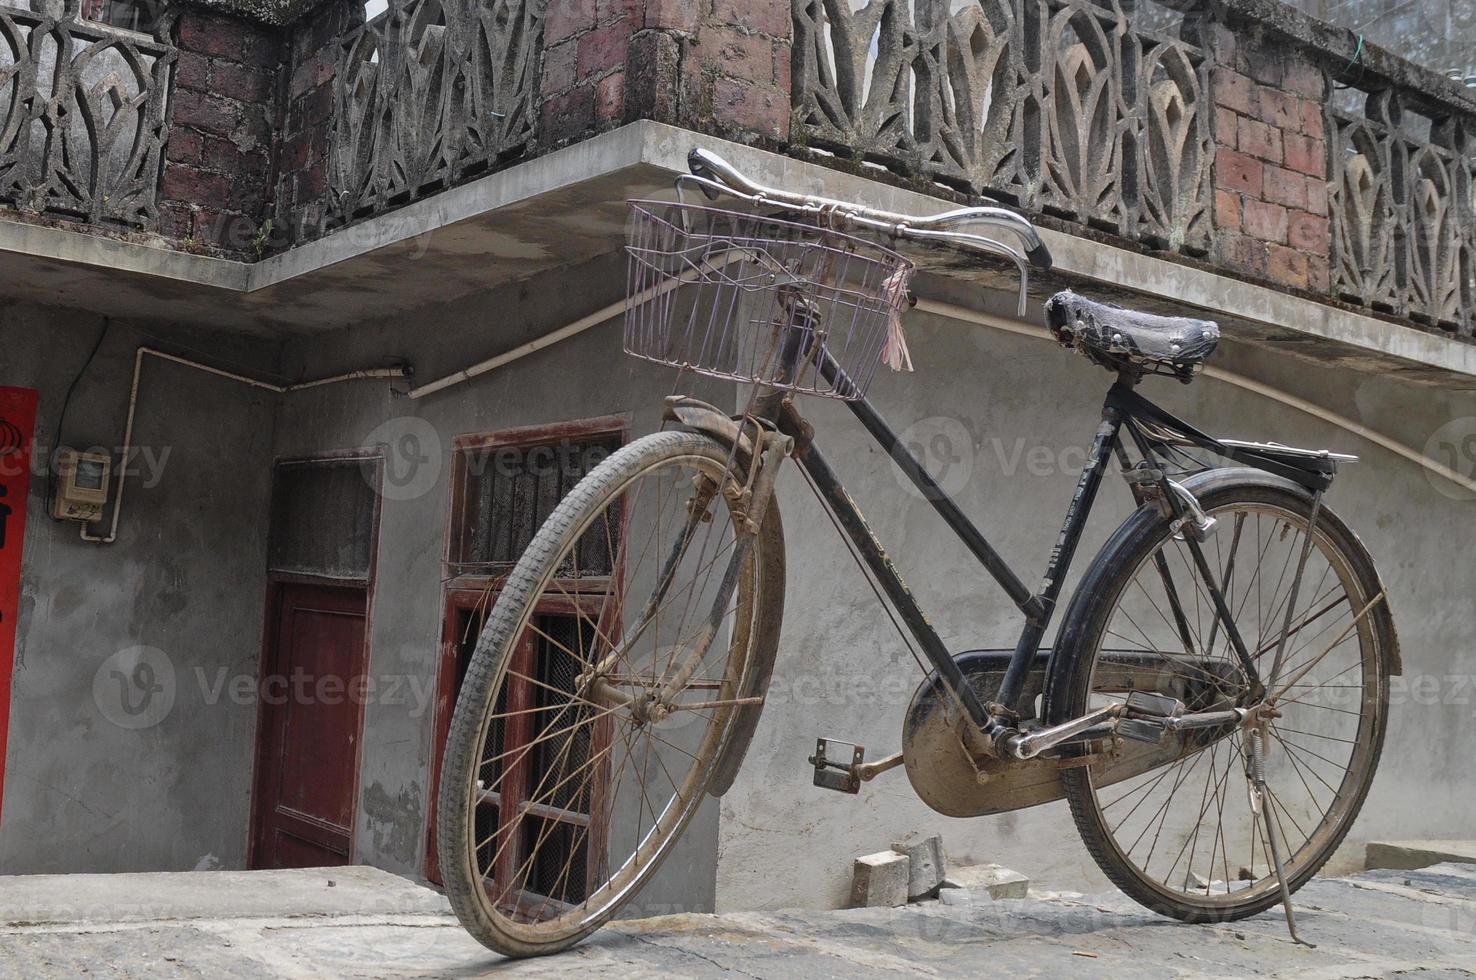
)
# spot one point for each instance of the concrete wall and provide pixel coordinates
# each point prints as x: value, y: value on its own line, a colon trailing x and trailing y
x: 90, y: 786
x: 585, y: 377
x: 1017, y: 415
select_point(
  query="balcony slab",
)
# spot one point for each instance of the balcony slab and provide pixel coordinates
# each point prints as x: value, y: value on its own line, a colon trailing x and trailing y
x: 568, y: 206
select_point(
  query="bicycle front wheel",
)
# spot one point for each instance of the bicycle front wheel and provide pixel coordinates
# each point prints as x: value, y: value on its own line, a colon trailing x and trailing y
x: 629, y: 643
x: 1176, y: 824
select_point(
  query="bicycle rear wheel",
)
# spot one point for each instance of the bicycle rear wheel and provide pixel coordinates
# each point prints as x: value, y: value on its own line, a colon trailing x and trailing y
x: 1173, y: 824
x: 627, y: 646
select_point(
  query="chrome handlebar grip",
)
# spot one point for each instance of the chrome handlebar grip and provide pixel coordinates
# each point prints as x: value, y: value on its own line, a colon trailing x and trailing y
x: 715, y: 176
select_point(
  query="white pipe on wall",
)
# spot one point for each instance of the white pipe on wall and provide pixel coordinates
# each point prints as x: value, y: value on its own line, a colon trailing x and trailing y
x: 138, y: 358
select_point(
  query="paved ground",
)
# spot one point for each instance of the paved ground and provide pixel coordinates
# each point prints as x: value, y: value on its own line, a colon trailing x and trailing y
x: 364, y: 923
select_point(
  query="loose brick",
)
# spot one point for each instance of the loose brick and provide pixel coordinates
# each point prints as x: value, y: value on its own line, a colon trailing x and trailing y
x: 1281, y: 109
x: 1308, y: 232
x: 1287, y: 266
x: 1227, y: 210
x: 1259, y: 140
x: 1235, y: 91
x: 1282, y: 186
x: 926, y: 865
x: 1305, y: 154
x: 879, y: 880
x: 1268, y: 222
x: 1236, y: 171
x: 1227, y: 121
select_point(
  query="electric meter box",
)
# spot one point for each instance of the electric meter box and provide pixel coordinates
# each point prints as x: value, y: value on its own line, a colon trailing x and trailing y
x: 81, y: 485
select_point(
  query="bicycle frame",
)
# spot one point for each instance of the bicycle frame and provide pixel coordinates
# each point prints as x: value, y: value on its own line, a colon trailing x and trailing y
x: 1123, y: 409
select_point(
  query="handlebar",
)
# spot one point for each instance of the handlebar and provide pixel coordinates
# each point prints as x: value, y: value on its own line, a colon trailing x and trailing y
x: 715, y: 176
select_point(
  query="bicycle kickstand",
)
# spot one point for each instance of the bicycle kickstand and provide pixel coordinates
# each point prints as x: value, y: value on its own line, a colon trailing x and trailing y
x: 1256, y: 744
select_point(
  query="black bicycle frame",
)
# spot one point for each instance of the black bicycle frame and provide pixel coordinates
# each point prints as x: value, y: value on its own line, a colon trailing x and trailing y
x: 1123, y: 407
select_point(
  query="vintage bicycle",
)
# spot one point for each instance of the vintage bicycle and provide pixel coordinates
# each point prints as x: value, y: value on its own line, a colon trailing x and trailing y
x: 1213, y: 704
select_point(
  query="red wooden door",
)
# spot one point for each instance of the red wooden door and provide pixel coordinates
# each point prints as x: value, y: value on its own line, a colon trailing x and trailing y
x: 309, y: 732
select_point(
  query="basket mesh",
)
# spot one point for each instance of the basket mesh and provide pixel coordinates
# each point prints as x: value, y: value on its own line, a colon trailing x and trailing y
x: 719, y: 292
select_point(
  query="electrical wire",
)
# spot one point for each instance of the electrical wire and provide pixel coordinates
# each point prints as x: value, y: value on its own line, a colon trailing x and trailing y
x: 61, y: 419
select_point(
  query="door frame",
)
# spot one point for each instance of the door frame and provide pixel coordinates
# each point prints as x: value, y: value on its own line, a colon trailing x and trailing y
x: 275, y: 586
x: 465, y: 591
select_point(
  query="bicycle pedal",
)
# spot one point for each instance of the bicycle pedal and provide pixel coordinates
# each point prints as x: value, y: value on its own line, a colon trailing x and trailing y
x: 830, y: 772
x: 1140, y: 730
x: 1146, y: 703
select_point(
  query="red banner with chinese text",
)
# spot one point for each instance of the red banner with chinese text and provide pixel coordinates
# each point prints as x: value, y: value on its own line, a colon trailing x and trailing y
x: 17, y: 433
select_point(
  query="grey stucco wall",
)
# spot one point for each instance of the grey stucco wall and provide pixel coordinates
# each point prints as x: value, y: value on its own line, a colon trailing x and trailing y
x: 1016, y: 416
x: 585, y: 377
x: 88, y: 786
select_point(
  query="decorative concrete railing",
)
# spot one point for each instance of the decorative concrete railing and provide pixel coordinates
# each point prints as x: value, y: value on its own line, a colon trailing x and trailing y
x: 1403, y: 205
x: 429, y: 93
x: 82, y: 115
x: 1082, y: 108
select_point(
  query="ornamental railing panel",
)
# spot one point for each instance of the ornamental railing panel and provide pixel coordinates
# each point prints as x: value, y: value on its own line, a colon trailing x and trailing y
x: 1403, y: 207
x: 82, y: 115
x: 430, y: 93
x: 1094, y: 110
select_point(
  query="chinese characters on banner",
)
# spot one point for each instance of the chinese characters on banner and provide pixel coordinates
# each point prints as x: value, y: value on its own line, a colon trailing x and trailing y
x: 17, y: 430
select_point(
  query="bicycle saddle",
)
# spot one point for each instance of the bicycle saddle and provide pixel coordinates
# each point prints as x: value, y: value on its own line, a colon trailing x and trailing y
x: 1114, y: 337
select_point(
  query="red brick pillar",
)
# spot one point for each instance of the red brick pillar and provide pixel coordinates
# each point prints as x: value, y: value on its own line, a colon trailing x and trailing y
x: 720, y: 66
x: 1271, y: 166
x: 219, y: 149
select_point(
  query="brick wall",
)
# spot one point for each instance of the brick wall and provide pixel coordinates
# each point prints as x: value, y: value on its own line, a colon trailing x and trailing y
x: 218, y: 156
x: 721, y: 66
x: 1270, y: 168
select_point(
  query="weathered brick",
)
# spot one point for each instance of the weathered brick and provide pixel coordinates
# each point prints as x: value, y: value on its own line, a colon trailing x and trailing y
x: 1227, y: 121
x: 673, y: 15
x: 1305, y: 154
x: 1267, y: 222
x: 569, y: 114
x: 1236, y: 171
x: 602, y: 49
x: 1287, y: 266
x: 773, y: 17
x: 1243, y: 253
x: 1227, y: 210
x: 206, y: 112
x: 1318, y: 276
x: 1261, y: 61
x: 610, y: 98
x: 741, y: 55
x: 311, y: 109
x: 1282, y: 186
x: 186, y: 183
x: 1281, y: 109
x: 1313, y: 123
x: 209, y: 33
x: 632, y: 11
x: 1317, y: 195
x: 1259, y: 140
x: 560, y: 67
x: 566, y: 18
x: 1304, y: 77
x: 240, y: 82
x: 184, y: 146
x: 313, y: 72
x: 652, y: 82
x: 760, y: 109
x: 1235, y: 91
x: 192, y: 70
x: 1308, y: 232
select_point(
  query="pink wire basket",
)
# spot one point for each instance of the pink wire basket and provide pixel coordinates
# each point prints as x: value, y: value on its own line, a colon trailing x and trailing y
x: 719, y: 293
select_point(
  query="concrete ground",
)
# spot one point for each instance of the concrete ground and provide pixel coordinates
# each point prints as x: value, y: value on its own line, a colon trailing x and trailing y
x: 359, y: 922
